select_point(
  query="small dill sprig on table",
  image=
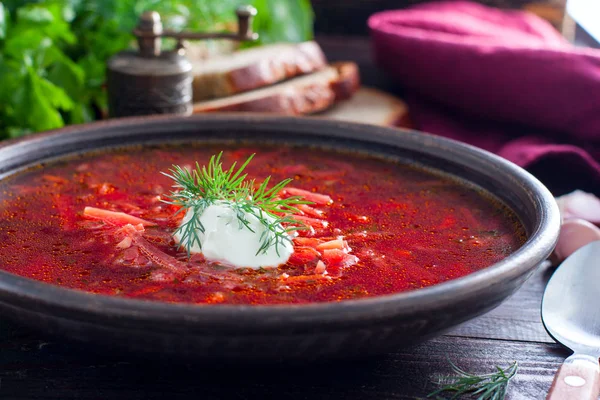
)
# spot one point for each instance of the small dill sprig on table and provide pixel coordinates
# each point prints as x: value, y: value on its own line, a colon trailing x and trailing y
x: 211, y: 184
x: 480, y: 387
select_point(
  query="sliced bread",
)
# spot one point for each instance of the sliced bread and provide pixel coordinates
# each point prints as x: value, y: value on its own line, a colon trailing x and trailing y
x: 254, y: 68
x: 348, y: 81
x: 306, y: 94
x: 371, y: 106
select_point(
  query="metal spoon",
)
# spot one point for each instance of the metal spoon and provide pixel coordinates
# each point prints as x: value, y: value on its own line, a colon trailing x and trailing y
x: 571, y: 315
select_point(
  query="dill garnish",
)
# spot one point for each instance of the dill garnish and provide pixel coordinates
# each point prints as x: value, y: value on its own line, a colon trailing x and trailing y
x: 210, y: 184
x: 480, y: 387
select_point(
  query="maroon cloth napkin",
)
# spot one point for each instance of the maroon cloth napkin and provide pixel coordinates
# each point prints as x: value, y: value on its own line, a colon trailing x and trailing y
x: 505, y: 81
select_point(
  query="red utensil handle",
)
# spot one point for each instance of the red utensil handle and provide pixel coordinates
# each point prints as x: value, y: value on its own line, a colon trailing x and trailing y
x: 577, y: 379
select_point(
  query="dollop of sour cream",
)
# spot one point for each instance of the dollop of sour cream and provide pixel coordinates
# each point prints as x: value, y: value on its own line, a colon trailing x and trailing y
x: 226, y: 241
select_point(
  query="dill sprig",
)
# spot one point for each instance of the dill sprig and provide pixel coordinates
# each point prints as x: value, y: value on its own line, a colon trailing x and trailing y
x: 210, y: 184
x: 480, y: 387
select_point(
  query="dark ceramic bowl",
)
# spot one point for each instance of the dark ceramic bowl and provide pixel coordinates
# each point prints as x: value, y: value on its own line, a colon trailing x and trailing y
x: 285, y: 332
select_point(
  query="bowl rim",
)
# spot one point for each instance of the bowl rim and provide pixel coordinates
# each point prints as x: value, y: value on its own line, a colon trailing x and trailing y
x: 89, y: 305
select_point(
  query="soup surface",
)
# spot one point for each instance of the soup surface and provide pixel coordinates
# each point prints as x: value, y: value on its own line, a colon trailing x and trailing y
x: 403, y: 227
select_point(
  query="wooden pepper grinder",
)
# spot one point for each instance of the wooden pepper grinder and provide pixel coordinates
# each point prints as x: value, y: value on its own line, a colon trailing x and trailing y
x: 150, y: 81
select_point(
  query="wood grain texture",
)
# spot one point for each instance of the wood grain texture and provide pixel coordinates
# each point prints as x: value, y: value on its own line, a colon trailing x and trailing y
x: 35, y: 369
x: 518, y: 318
x: 577, y: 379
x: 33, y: 366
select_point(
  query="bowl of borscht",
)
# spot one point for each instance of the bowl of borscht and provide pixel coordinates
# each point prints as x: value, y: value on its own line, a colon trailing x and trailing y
x: 258, y: 238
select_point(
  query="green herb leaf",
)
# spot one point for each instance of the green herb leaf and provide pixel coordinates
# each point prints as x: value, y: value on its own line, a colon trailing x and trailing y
x: 204, y: 186
x: 284, y: 21
x: 38, y: 102
x: 481, y: 387
x: 47, y: 19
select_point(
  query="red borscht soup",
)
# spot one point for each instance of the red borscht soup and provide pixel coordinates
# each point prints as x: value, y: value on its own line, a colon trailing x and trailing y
x: 104, y: 223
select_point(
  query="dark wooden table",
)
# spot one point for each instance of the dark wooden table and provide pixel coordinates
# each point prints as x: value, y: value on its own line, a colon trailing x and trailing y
x: 34, y: 366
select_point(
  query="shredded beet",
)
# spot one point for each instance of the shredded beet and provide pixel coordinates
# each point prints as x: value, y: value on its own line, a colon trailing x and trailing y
x: 316, y: 198
x: 375, y: 227
x: 114, y: 217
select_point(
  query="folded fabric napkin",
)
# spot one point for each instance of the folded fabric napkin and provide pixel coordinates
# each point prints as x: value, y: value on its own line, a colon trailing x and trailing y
x: 505, y: 81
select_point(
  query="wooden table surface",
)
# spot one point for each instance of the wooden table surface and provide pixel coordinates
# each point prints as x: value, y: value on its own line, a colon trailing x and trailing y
x: 34, y: 366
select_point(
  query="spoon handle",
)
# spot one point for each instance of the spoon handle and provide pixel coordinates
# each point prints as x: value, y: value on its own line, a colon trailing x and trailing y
x: 577, y: 379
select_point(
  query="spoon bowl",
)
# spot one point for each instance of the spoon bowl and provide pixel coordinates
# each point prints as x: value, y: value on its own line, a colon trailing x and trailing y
x: 571, y: 316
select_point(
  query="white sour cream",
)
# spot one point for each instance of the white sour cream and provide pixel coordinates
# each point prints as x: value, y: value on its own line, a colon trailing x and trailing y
x: 226, y: 241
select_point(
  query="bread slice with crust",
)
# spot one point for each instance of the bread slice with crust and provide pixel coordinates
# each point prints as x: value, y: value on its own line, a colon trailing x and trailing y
x: 254, y: 68
x: 371, y: 106
x: 306, y: 94
x: 348, y: 81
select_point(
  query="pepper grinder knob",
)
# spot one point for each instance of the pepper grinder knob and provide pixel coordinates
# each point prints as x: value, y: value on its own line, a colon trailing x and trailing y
x: 148, y: 32
x: 244, y: 16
